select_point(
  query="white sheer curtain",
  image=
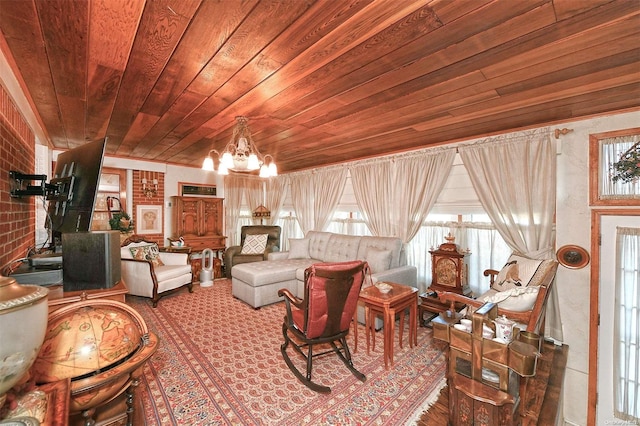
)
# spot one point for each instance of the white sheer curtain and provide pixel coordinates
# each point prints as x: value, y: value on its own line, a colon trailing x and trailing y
x: 275, y: 194
x: 315, y: 196
x: 290, y: 229
x: 233, y: 191
x: 626, y: 349
x: 515, y: 179
x: 253, y: 194
x: 395, y: 195
x: 487, y: 250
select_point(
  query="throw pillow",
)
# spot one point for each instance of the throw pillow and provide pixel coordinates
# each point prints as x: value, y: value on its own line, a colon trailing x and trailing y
x: 254, y: 244
x: 148, y: 252
x: 519, y: 299
x: 298, y: 248
x: 379, y: 260
x: 517, y: 272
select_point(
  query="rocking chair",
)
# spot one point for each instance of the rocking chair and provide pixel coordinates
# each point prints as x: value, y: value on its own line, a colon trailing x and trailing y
x: 324, y: 316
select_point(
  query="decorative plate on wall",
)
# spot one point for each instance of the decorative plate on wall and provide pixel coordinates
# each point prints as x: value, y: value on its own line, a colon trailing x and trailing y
x: 573, y: 257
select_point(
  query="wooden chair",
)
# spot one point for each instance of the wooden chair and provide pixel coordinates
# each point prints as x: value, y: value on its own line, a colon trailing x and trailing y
x: 151, y: 273
x: 533, y: 318
x: 324, y: 316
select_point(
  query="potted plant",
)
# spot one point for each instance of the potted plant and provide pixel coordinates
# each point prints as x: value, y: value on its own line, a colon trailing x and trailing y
x: 121, y: 221
x: 627, y: 168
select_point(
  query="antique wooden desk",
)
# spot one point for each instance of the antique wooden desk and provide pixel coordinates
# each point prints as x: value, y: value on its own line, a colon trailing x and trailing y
x: 395, y: 301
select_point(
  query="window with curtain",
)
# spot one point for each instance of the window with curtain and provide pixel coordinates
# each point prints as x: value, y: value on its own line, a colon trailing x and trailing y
x: 610, y: 151
x: 488, y: 250
x: 627, y: 325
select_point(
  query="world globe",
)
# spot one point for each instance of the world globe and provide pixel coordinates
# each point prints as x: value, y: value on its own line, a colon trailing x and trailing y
x: 100, y: 345
x: 84, y: 341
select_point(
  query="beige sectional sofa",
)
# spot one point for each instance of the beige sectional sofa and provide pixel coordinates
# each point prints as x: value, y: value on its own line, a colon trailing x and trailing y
x: 257, y: 283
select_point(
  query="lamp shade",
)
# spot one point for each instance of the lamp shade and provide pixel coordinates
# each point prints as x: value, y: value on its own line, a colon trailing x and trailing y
x: 261, y: 211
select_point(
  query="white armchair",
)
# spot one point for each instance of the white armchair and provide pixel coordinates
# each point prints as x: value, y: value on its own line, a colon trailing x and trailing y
x: 147, y: 272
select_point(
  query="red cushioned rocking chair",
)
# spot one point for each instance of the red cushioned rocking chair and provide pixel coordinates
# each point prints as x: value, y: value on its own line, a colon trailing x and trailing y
x: 331, y: 293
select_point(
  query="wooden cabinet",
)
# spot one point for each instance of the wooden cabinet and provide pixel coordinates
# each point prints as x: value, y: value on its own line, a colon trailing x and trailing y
x: 198, y: 220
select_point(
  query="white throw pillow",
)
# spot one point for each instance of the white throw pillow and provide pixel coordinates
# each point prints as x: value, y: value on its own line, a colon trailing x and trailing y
x: 298, y: 248
x: 517, y: 272
x: 254, y: 244
x: 379, y: 260
x: 518, y: 299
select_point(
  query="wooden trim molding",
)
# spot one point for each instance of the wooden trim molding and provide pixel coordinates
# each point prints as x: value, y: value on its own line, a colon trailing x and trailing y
x: 594, y: 302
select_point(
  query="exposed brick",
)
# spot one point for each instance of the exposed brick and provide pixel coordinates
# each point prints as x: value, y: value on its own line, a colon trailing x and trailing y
x: 17, y: 152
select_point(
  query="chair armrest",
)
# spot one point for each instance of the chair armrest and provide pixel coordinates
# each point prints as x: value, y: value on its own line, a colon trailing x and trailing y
x: 278, y: 255
x: 229, y: 253
x: 289, y: 297
x: 452, y: 298
x: 174, y: 258
x: 492, y: 274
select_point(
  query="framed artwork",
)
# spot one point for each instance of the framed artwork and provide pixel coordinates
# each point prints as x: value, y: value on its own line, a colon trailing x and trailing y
x: 197, y: 190
x: 606, y: 150
x: 148, y: 219
x: 572, y: 257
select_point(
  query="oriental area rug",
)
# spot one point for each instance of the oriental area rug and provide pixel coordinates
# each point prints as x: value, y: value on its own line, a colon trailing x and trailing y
x: 219, y: 363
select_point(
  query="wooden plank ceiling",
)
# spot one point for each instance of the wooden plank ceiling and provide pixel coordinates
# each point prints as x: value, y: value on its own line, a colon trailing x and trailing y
x: 322, y: 81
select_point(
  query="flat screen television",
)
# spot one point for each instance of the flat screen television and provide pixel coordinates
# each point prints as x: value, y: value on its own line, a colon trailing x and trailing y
x: 73, y: 189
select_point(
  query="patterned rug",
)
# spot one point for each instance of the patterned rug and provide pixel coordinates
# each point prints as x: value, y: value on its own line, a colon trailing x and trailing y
x: 219, y: 362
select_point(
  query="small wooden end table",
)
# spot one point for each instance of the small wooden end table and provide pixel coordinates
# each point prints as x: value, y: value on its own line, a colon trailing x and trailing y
x: 429, y: 303
x: 388, y: 304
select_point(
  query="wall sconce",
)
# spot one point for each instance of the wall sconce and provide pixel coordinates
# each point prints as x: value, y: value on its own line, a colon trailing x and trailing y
x: 149, y: 187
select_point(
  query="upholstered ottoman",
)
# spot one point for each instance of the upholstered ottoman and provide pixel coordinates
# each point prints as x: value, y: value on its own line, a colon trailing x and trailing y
x: 257, y: 283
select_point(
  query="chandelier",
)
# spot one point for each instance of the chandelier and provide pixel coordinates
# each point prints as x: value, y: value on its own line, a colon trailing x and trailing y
x: 241, y: 154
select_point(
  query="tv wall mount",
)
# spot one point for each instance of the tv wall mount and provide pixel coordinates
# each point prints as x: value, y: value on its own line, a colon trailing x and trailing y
x: 22, y: 185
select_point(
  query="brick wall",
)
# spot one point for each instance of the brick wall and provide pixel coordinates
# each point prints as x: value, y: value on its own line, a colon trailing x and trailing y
x: 139, y: 198
x: 17, y: 152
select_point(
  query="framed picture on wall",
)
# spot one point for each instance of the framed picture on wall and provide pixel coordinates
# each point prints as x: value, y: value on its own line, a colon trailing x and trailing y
x: 148, y: 219
x: 197, y: 190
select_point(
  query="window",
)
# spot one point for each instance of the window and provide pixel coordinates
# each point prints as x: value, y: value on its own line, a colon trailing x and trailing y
x: 627, y: 325
x: 604, y: 150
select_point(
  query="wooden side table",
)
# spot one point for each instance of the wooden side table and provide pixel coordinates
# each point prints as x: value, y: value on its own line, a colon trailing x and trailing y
x: 388, y: 304
x: 429, y: 303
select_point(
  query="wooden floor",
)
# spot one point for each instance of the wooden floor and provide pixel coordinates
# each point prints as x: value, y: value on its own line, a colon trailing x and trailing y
x: 543, y: 392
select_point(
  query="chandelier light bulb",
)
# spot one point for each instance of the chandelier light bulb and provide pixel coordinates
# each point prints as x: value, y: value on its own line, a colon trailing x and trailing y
x: 273, y: 169
x: 227, y: 160
x: 207, y: 164
x: 264, y: 171
x: 222, y: 169
x: 253, y: 163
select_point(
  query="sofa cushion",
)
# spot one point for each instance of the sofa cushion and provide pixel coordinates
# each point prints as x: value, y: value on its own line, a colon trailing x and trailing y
x: 269, y: 271
x: 519, y: 299
x: 298, y: 248
x: 520, y: 271
x: 254, y: 244
x: 318, y: 242
x: 167, y: 272
x: 382, y: 243
x: 341, y: 248
x: 147, y: 252
x: 378, y: 260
